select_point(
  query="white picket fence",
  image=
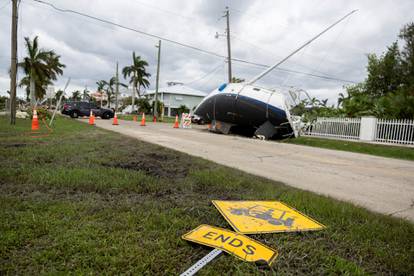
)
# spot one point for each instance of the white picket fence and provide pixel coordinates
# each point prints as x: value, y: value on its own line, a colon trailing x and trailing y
x: 343, y: 128
x: 366, y: 128
x: 395, y: 131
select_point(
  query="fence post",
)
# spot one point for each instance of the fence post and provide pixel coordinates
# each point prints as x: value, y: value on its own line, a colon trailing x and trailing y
x: 368, y: 128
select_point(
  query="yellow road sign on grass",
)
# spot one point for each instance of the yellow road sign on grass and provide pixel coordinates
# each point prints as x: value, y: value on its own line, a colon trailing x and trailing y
x: 239, y: 245
x: 250, y: 217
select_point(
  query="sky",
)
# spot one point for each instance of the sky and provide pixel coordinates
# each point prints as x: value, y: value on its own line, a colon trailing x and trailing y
x: 262, y: 31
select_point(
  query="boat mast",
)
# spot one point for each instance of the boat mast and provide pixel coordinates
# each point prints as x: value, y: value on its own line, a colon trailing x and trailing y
x: 261, y: 75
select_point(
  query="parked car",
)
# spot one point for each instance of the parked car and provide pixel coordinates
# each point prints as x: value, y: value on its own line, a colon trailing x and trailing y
x: 76, y: 109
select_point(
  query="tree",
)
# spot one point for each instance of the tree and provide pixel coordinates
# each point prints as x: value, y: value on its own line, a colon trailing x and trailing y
x: 341, y: 98
x: 144, y: 105
x: 137, y: 74
x: 39, y: 87
x: 85, y: 95
x: 76, y: 95
x: 358, y: 103
x: 407, y: 62
x: 41, y: 68
x: 312, y: 108
x: 101, y: 88
x: 3, y: 101
x: 388, y: 90
x: 57, y: 96
x: 182, y: 109
x: 109, y: 89
x: 160, y: 106
x: 384, y: 73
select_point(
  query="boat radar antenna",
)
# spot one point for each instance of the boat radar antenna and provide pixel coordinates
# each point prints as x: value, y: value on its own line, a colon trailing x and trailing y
x: 261, y: 75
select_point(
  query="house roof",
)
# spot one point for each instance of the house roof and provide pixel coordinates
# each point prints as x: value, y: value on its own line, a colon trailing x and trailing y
x: 178, y: 89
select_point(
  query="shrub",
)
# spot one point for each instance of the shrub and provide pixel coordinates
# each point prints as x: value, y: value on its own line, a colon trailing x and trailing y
x: 42, y: 113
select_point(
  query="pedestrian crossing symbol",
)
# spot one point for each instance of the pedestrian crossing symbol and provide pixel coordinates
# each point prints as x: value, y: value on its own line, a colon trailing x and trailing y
x: 251, y: 217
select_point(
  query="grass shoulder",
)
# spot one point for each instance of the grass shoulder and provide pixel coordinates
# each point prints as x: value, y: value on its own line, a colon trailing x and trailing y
x: 399, y: 152
x: 148, y: 118
x: 88, y: 201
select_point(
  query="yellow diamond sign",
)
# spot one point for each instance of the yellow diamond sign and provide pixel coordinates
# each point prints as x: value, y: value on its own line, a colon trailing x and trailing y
x: 251, y: 217
x: 239, y: 245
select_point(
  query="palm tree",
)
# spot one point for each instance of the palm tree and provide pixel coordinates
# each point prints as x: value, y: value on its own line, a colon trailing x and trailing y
x: 101, y: 87
x: 76, y: 95
x: 323, y: 103
x: 85, y: 95
x: 39, y: 87
x: 41, y: 67
x: 109, y: 89
x: 341, y: 99
x: 57, y: 96
x: 138, y: 76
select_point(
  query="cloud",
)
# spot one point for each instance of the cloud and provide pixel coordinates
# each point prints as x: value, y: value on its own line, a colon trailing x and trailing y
x: 262, y: 31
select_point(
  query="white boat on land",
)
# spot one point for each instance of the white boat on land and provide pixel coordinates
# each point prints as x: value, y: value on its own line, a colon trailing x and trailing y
x: 249, y: 109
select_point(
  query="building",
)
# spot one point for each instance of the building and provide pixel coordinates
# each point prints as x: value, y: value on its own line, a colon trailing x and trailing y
x: 176, y: 94
x: 124, y: 92
x: 98, y: 96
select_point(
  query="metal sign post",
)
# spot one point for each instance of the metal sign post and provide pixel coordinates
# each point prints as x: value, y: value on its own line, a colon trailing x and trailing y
x: 202, y: 262
x: 58, y: 104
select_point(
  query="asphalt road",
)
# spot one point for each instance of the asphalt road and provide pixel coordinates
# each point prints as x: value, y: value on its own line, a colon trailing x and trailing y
x: 382, y: 185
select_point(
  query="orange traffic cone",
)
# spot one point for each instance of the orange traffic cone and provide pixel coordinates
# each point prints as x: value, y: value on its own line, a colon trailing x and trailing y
x: 115, y: 122
x: 143, y: 120
x: 35, y: 121
x: 91, y: 119
x: 176, y: 124
x: 134, y: 118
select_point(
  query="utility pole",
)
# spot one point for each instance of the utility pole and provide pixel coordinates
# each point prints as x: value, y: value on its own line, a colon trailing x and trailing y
x: 116, y: 88
x: 228, y: 42
x: 227, y: 16
x: 85, y: 93
x: 157, y: 80
x: 13, y: 65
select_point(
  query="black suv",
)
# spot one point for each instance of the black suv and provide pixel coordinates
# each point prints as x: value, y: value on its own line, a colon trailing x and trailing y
x: 76, y: 109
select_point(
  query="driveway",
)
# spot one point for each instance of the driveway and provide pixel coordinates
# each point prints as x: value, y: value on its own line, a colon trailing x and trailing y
x: 382, y: 185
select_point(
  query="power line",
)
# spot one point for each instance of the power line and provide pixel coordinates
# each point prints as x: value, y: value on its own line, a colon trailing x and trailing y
x: 183, y: 16
x: 206, y: 75
x: 267, y: 71
x: 251, y: 15
x: 164, y: 11
x: 204, y: 84
x: 292, y: 71
x: 129, y: 28
x: 180, y: 43
x: 273, y: 54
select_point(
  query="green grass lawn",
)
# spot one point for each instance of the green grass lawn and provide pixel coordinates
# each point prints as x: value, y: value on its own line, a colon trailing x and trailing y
x: 89, y: 201
x: 373, y: 149
x: 148, y: 118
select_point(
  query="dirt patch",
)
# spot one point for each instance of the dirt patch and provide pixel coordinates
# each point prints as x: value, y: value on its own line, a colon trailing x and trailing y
x: 158, y: 157
x: 155, y: 164
x: 15, y: 145
x: 154, y: 169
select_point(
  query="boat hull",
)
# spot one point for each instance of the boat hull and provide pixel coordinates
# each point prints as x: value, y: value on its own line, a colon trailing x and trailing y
x: 246, y: 109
